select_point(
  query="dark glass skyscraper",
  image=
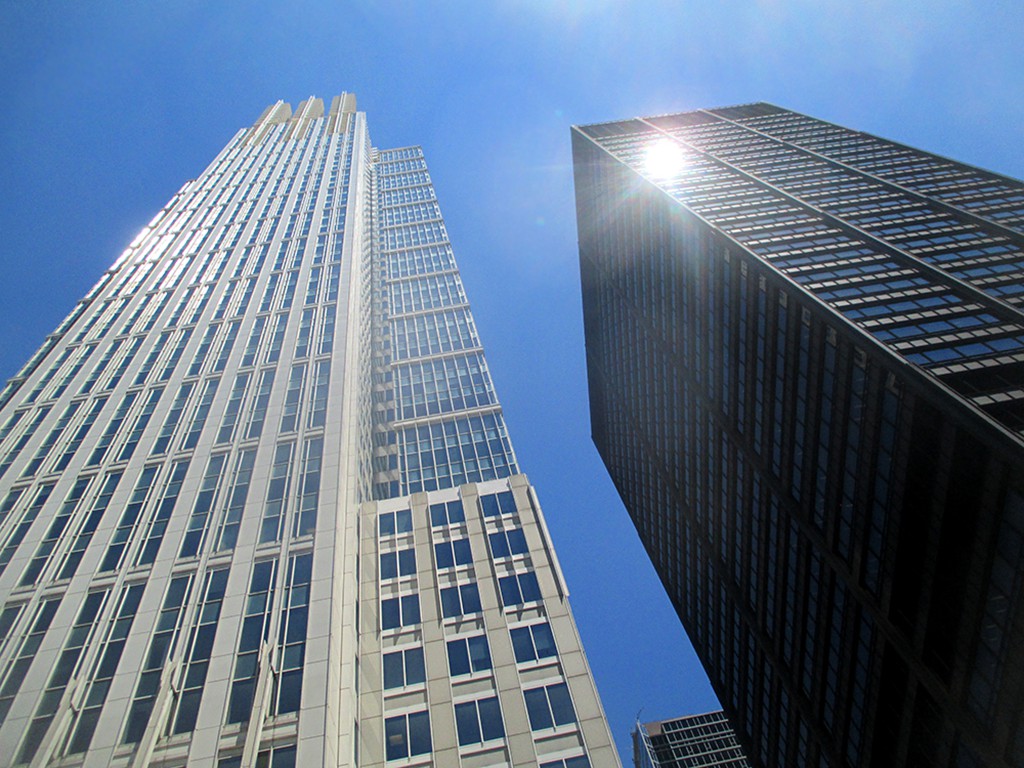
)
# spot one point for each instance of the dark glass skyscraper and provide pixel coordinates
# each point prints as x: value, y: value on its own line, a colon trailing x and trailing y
x: 805, y: 349
x: 258, y: 505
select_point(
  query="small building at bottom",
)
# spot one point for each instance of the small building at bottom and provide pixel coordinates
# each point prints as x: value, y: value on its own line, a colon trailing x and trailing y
x: 704, y: 740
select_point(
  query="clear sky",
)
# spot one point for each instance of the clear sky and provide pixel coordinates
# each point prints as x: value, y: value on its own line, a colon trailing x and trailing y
x: 108, y: 108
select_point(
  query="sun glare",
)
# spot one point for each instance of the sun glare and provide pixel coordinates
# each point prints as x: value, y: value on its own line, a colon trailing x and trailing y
x: 663, y: 159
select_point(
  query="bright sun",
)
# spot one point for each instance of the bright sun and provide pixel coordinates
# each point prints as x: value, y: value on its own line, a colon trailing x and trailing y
x: 664, y: 159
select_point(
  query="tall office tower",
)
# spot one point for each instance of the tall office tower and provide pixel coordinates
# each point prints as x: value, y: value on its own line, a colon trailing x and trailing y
x: 806, y: 363
x: 696, y: 741
x: 257, y: 501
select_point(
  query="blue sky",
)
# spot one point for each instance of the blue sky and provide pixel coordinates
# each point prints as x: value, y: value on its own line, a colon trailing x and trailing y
x: 109, y: 108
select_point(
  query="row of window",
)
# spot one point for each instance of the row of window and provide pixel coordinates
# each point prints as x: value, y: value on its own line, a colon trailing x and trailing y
x: 469, y: 655
x: 432, y: 291
x: 221, y: 499
x: 432, y: 334
x: 516, y: 589
x: 451, y: 554
x: 455, y: 451
x: 195, y: 654
x: 143, y: 409
x: 816, y: 237
x: 446, y: 513
x: 442, y: 385
x: 480, y: 721
x: 997, y: 198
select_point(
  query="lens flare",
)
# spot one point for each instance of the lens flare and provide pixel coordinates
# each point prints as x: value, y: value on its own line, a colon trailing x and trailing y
x: 664, y: 159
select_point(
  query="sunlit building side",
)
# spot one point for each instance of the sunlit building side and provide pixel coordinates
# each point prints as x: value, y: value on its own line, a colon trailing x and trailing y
x: 258, y: 504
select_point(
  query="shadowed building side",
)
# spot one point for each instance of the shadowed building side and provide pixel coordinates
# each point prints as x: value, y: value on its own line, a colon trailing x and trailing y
x: 805, y: 352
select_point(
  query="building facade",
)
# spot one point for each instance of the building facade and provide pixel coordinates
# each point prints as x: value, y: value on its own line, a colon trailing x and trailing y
x: 258, y: 505
x: 696, y: 741
x: 805, y: 354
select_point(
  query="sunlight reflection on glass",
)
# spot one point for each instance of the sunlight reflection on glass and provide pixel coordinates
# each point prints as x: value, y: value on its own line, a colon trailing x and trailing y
x: 664, y: 159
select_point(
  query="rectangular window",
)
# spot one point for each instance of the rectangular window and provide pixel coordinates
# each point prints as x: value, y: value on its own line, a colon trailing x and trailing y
x: 101, y: 366
x: 460, y: 600
x: 175, y: 356
x: 9, y: 502
x: 203, y: 350
x: 407, y: 735
x: 293, y: 398
x: 67, y: 664
x: 277, y: 493
x: 454, y: 451
x: 166, y: 436
x: 508, y: 543
x: 273, y: 353
x: 234, y: 506
x: 255, y: 630
x: 447, y: 513
x: 309, y: 487
x: 72, y: 446
x: 113, y: 427
x: 468, y: 654
x: 8, y: 617
x: 226, y: 347
x: 533, y: 643
x: 234, y: 406
x: 22, y: 441
x: 442, y: 385
x: 276, y: 757
x: 569, y: 762
x: 126, y: 361
x: 479, y: 721
x: 449, y: 554
x: 157, y: 524
x: 305, y: 331
x: 259, y: 405
x: 17, y: 535
x: 197, y: 651
x: 141, y: 422
x: 46, y: 446
x: 49, y: 376
x: 129, y: 519
x: 327, y: 331
x: 18, y: 666
x: 161, y: 646
x: 402, y: 668
x: 55, y: 532
x: 104, y: 669
x: 391, y: 523
x: 288, y: 294
x: 202, y: 412
x: 401, y: 611
x: 253, y: 345
x: 519, y: 588
x: 287, y: 692
x: 195, y: 533
x: 496, y: 504
x: 549, y: 706
x: 83, y: 356
x: 318, y: 396
x: 395, y: 564
x: 88, y: 527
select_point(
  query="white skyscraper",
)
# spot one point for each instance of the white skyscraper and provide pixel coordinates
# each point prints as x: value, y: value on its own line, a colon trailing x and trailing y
x: 258, y: 505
